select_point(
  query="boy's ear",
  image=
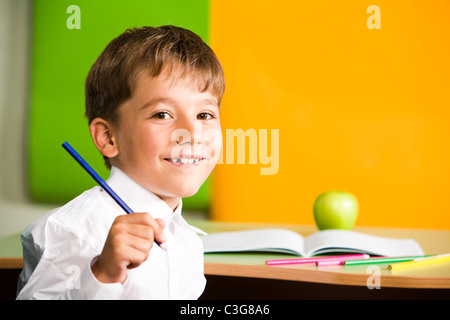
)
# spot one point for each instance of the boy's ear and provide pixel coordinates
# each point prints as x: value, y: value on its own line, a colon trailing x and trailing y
x: 102, y: 135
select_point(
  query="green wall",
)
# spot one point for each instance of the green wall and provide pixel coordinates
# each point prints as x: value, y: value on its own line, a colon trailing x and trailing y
x: 61, y: 58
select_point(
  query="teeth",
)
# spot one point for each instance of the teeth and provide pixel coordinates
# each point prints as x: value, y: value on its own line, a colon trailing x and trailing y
x: 186, y: 160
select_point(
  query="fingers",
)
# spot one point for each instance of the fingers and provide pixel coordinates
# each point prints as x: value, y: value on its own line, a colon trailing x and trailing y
x: 128, y: 245
x: 141, y: 224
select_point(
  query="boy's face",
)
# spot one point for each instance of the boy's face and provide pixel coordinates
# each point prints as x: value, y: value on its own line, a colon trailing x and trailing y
x: 168, y: 137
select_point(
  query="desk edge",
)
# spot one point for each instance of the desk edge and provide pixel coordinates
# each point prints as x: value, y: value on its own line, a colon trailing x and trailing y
x: 11, y: 263
x: 326, y: 277
x: 301, y: 275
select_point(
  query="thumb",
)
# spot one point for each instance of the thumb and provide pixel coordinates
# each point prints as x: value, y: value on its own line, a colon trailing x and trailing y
x: 161, y: 223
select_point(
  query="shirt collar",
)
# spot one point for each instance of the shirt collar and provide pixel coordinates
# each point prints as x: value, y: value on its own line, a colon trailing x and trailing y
x: 138, y: 198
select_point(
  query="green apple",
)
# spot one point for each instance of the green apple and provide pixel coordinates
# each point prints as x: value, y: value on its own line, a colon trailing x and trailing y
x: 335, y: 210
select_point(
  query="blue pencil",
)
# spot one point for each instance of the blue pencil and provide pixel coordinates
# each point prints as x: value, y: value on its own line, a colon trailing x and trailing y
x: 98, y: 179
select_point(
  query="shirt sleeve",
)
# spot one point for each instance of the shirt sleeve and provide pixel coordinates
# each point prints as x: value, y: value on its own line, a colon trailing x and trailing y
x: 85, y: 286
x: 64, y: 269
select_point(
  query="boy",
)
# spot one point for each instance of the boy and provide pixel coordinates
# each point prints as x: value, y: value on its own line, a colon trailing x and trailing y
x: 152, y: 100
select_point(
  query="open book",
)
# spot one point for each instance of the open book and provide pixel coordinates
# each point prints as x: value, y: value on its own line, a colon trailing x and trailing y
x: 321, y: 242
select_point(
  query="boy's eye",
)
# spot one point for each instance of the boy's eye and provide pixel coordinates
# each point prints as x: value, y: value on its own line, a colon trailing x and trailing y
x: 161, y: 115
x: 205, y: 116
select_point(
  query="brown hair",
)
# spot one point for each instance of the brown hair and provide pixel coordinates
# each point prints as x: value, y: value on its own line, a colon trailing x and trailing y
x: 111, y: 80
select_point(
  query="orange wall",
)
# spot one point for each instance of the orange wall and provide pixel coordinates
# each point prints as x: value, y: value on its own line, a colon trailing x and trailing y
x: 365, y: 110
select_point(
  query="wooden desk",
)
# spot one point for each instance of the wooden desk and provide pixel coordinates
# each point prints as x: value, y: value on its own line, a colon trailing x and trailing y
x: 11, y: 252
x: 245, y: 275
x: 11, y: 263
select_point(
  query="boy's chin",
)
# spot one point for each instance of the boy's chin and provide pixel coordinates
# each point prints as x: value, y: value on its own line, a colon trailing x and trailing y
x: 186, y: 191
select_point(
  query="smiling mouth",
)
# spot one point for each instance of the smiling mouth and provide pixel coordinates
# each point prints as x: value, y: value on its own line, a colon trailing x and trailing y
x: 195, y: 160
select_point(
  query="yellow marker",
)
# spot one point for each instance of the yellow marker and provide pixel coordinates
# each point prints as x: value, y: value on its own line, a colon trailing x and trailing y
x: 420, y: 262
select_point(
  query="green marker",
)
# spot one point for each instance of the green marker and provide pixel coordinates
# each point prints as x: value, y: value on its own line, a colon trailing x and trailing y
x: 383, y: 260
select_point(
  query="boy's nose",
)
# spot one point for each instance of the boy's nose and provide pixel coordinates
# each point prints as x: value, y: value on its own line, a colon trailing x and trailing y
x: 189, y: 132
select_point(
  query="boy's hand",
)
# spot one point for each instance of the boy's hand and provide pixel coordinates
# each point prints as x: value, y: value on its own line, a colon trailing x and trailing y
x: 128, y: 245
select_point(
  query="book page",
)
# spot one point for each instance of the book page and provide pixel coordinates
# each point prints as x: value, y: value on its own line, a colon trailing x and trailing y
x: 328, y: 241
x: 275, y: 240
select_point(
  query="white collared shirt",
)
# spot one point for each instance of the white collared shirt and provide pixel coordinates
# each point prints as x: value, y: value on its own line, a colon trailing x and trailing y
x: 60, y: 247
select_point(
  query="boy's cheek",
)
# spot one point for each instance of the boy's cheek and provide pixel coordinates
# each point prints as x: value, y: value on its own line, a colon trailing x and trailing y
x: 213, y: 138
x: 214, y: 151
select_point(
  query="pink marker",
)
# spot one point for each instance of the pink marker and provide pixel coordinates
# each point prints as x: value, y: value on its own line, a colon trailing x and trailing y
x: 337, y: 261
x: 339, y: 258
